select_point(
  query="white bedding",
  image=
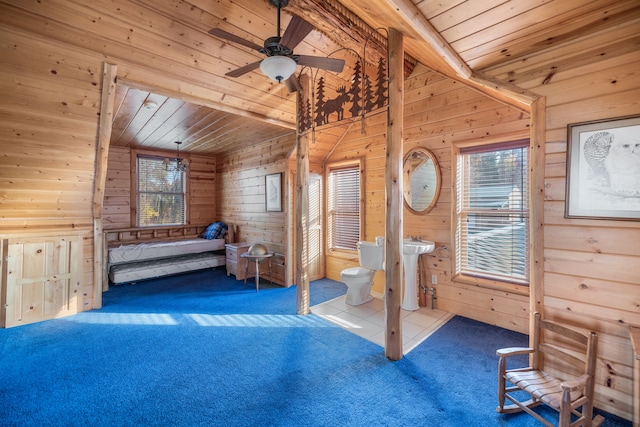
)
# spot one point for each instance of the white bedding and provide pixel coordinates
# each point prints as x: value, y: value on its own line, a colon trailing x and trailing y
x: 147, y: 251
x: 133, y: 272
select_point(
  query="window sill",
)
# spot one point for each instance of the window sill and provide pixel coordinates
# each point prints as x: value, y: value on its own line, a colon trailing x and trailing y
x: 492, y: 284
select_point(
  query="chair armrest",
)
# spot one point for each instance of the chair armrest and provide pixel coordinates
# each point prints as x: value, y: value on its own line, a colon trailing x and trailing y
x: 575, y: 385
x: 513, y: 351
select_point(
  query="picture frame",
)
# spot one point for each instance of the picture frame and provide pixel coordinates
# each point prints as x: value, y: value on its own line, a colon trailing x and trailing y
x: 603, y: 169
x: 273, y: 192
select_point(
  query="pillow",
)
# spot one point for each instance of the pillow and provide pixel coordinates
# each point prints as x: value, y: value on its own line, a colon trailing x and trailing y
x: 216, y: 230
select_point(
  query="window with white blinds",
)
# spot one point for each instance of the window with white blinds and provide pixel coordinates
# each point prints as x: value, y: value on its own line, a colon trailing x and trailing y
x: 161, y: 194
x: 492, y: 233
x: 343, y: 206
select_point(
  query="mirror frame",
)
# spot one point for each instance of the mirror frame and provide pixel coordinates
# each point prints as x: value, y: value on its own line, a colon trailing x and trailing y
x: 436, y: 194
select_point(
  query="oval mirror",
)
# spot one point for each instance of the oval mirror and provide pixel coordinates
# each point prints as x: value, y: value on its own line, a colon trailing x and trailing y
x: 421, y: 180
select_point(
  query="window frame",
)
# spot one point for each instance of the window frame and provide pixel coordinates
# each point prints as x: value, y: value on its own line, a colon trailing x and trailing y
x: 485, y: 280
x: 341, y: 165
x: 135, y: 186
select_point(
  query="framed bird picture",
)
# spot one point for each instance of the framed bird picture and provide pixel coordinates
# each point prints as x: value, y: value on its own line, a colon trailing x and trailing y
x: 273, y: 192
x: 603, y: 169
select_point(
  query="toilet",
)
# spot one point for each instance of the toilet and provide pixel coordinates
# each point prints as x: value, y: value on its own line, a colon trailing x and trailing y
x: 360, y: 279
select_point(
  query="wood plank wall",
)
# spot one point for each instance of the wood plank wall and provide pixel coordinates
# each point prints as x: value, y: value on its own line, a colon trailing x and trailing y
x: 438, y: 112
x: 51, y: 68
x: 117, y: 191
x: 49, y: 109
x: 48, y: 125
x: 592, y: 267
x: 241, y: 184
x: 120, y: 202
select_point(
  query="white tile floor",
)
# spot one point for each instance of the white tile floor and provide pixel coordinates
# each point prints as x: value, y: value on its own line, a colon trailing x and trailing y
x: 368, y: 320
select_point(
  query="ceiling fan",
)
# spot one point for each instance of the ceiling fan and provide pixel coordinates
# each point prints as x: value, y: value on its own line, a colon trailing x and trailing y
x: 280, y: 63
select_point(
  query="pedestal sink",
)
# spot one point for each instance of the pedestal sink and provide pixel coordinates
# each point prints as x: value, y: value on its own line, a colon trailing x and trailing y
x: 411, y: 249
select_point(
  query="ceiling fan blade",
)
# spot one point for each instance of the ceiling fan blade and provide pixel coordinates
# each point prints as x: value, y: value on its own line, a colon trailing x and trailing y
x: 293, y: 84
x: 296, y: 31
x: 232, y: 37
x: 329, y: 64
x: 243, y: 70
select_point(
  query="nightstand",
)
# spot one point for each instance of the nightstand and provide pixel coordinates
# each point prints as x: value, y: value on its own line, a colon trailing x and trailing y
x: 236, y: 265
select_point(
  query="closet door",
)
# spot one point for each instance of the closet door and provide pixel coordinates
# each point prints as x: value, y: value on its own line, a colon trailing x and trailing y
x: 42, y: 278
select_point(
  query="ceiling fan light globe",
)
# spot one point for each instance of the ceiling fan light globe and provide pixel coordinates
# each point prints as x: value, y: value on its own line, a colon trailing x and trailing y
x: 278, y: 68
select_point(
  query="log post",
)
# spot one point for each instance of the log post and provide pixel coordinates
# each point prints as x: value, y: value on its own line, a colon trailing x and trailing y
x: 393, y: 186
x: 302, y: 206
x: 536, y: 201
x: 109, y: 73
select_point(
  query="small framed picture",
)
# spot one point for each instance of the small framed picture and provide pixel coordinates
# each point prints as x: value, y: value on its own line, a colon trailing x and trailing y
x: 603, y: 169
x: 273, y: 192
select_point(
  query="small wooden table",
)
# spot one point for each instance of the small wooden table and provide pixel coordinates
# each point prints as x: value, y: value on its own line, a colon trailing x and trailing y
x: 258, y: 260
x: 634, y: 331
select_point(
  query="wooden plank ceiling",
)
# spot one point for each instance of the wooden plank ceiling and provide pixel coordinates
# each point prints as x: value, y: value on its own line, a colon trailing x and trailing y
x: 149, y: 120
x: 458, y: 38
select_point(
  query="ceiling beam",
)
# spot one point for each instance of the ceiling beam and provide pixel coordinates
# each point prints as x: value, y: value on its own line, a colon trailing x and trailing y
x: 327, y: 15
x: 413, y: 17
x: 499, y: 90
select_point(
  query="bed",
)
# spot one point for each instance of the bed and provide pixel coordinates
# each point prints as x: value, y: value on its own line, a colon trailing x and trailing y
x: 136, y: 254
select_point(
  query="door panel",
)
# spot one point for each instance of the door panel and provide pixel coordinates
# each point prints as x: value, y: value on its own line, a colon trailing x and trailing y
x: 43, y: 277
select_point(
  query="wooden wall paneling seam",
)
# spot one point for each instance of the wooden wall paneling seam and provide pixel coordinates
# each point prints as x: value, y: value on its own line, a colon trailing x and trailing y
x: 592, y: 291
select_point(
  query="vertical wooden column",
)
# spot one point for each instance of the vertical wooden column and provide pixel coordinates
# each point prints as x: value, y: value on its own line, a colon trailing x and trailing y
x: 4, y: 250
x: 302, y: 205
x: 393, y: 186
x: 100, y: 280
x: 634, y: 332
x: 536, y: 203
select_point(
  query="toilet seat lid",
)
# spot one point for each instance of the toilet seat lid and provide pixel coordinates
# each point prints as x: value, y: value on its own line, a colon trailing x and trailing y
x: 355, y: 272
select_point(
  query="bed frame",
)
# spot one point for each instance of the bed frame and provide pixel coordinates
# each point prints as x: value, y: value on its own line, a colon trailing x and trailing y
x: 153, y: 236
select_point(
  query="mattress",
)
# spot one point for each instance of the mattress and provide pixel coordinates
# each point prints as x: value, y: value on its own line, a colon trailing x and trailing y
x: 136, y: 271
x: 147, y: 251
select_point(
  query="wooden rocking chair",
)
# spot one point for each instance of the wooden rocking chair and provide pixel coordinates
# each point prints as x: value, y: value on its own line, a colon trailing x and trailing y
x: 559, y: 346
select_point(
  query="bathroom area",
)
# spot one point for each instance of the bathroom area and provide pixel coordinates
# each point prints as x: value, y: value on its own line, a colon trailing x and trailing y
x: 368, y: 320
x: 362, y: 309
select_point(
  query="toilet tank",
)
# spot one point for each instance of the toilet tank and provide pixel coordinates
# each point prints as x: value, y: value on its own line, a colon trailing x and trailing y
x: 371, y: 256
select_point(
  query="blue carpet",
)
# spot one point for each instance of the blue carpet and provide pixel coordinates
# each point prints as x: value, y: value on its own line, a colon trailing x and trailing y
x: 201, y: 349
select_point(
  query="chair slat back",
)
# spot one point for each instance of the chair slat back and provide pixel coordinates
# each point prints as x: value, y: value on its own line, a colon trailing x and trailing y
x: 565, y: 332
x: 568, y: 349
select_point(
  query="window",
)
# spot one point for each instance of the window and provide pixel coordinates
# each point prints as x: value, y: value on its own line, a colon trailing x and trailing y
x: 492, y: 224
x: 344, y: 206
x: 161, y: 194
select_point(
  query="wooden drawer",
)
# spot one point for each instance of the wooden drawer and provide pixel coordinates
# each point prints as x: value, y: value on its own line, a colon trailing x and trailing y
x: 236, y: 265
x: 277, y: 269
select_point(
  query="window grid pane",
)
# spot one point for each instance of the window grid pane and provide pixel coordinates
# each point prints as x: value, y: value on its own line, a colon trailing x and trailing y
x: 161, y: 194
x: 344, y: 208
x: 493, y: 218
